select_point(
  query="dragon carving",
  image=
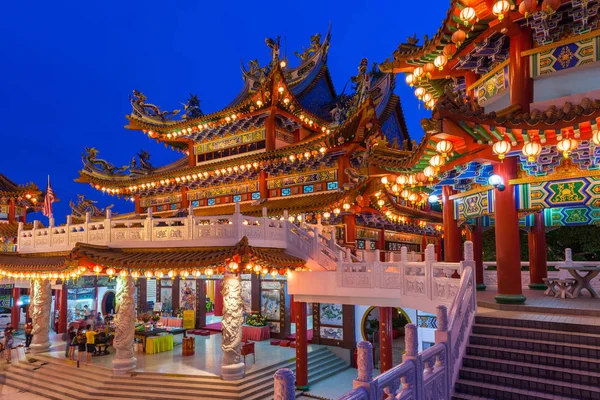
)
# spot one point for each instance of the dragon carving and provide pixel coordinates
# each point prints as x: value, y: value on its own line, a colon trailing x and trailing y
x: 273, y: 44
x: 94, y: 164
x: 85, y: 206
x: 192, y: 109
x: 315, y: 45
x: 42, y: 299
x: 144, y: 164
x: 142, y: 109
x: 125, y: 318
x: 233, y: 319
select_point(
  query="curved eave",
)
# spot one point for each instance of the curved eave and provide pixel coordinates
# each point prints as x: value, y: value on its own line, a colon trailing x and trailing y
x: 399, y: 160
x: 429, y: 216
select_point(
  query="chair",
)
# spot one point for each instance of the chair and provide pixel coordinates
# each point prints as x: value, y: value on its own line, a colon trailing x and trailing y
x: 247, y: 349
x: 564, y: 287
x: 552, y: 286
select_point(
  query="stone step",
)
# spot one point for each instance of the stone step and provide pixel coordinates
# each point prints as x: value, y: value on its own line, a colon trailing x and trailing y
x: 463, y: 396
x: 534, y: 370
x: 534, y: 324
x: 532, y: 357
x: 497, y: 392
x: 530, y: 383
x: 589, y: 339
x: 542, y: 346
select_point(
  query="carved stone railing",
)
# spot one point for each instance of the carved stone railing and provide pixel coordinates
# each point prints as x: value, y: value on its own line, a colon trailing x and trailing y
x: 430, y: 374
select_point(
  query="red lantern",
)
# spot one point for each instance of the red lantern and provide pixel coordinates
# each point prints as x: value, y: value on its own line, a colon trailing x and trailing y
x: 527, y: 7
x: 449, y: 50
x: 458, y: 37
x: 550, y: 6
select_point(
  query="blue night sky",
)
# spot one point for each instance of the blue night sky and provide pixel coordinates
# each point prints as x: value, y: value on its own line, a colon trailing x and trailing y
x: 68, y: 68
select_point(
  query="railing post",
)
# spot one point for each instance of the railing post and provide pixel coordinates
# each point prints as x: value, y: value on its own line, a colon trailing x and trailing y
x: 149, y: 227
x: 50, y: 230
x: 86, y: 228
x: 284, y: 385
x: 429, y: 260
x: 365, y: 368
x: 411, y: 345
x: 68, y: 230
x: 339, y: 269
x: 108, y: 226
x: 377, y: 269
x: 190, y: 222
x: 469, y: 258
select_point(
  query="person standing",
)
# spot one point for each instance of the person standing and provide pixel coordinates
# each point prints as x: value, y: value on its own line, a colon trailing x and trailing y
x: 90, y: 337
x: 8, y: 341
x: 80, y: 345
x: 28, y: 333
x: 71, y: 342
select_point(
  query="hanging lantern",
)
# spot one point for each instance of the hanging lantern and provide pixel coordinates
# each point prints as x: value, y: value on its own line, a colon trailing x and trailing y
x: 501, y: 148
x: 395, y: 188
x: 421, y: 178
x: 449, y: 50
x: 527, y: 7
x: 436, y: 161
x: 336, y: 210
x: 401, y: 180
x: 427, y: 97
x: 501, y: 8
x: 429, y: 68
x: 596, y: 138
x: 380, y: 202
x: 412, y: 181
x: 440, y: 61
x: 233, y: 266
x: 418, y: 72
x: 413, y: 197
x: 110, y: 272
x: 346, y: 206
x: 419, y: 92
x: 458, y: 37
x: 326, y: 215
x: 148, y: 274
x: 171, y: 274
x: 123, y: 273
x: 159, y: 274
x: 444, y: 147
x: 405, y: 194
x: 430, y: 104
x: 467, y: 15
x: 550, y: 6
x: 532, y: 150
x: 410, y: 79
x: 566, y: 146
x: 429, y: 172
x: 424, y: 197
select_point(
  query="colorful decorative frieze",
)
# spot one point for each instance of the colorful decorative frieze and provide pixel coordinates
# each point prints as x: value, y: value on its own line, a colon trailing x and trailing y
x: 580, y: 191
x: 474, y: 205
x: 246, y: 187
x: 367, y: 234
x: 284, y: 137
x: 4, y: 212
x: 318, y: 176
x: 493, y: 85
x: 232, y: 141
x: 402, y: 238
x: 155, y: 201
x: 570, y: 216
x: 565, y: 56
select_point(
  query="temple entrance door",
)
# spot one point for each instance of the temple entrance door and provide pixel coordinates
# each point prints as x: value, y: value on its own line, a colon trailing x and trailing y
x: 370, y: 332
x: 108, y: 303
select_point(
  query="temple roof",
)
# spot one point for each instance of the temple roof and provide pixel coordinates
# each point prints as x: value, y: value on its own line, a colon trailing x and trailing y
x: 9, y: 189
x: 48, y: 262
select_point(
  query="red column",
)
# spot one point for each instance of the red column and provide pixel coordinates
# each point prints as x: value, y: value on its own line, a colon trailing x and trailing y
x: 15, y: 312
x: 270, y: 127
x: 538, y: 269
x: 28, y: 308
x: 381, y: 245
x: 452, y: 234
x: 477, y: 239
x: 62, y: 315
x: 11, y: 211
x: 343, y: 163
x: 262, y: 185
x: 191, y: 155
x: 185, y: 203
x: 218, y: 299
x: 385, y: 338
x: 508, y: 256
x: 301, y: 347
x: 349, y: 220
x: 520, y: 83
x: 138, y: 206
x: 292, y: 310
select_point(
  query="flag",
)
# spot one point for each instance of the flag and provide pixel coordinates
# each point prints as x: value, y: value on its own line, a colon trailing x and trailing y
x: 48, y: 200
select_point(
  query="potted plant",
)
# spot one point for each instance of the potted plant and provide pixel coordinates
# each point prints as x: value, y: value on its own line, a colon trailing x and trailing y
x: 371, y: 327
x: 398, y: 324
x: 256, y: 320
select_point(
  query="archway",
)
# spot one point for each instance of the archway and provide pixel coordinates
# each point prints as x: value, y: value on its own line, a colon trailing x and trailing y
x: 369, y: 330
x: 108, y: 302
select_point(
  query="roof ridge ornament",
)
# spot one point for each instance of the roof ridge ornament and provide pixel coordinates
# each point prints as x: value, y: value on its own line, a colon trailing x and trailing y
x: 192, y: 109
x: 273, y: 44
x: 315, y: 45
x: 150, y: 111
x: 92, y: 163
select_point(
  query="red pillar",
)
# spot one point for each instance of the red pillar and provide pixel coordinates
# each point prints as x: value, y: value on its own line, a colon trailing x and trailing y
x: 343, y: 163
x: 349, y: 220
x: 538, y: 269
x: 185, y: 203
x: 138, y: 206
x: 381, y: 245
x: 385, y: 338
x: 270, y: 128
x: 292, y: 310
x: 11, y: 211
x: 470, y: 78
x: 520, y: 83
x: 508, y: 255
x: 15, y: 312
x: 477, y: 239
x: 452, y: 234
x: 28, y: 308
x: 218, y: 299
x: 191, y: 155
x: 62, y: 315
x: 262, y: 185
x: 301, y: 347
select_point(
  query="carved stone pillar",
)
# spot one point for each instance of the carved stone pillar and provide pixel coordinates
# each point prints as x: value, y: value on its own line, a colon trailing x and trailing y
x: 365, y: 362
x: 411, y: 342
x: 42, y: 302
x: 125, y: 318
x: 232, y: 367
x: 284, y: 385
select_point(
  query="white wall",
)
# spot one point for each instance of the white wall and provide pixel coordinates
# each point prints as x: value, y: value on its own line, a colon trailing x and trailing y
x: 498, y: 102
x: 566, y: 83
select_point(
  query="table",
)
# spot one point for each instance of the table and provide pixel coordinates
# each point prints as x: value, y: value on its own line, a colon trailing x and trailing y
x: 171, y: 321
x: 143, y: 336
x: 582, y: 281
x: 256, y: 333
x: 158, y: 344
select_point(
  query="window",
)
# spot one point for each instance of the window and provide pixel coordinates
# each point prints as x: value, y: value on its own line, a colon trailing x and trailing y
x: 372, y: 245
x: 256, y: 196
x: 286, y: 192
x: 173, y: 206
x: 360, y: 244
x: 308, y: 189
x: 211, y: 202
x: 195, y: 203
x: 237, y: 198
x: 332, y: 185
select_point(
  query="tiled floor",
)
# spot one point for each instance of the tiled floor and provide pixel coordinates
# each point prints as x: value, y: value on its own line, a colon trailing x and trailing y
x: 335, y: 386
x: 206, y: 361
x: 537, y: 302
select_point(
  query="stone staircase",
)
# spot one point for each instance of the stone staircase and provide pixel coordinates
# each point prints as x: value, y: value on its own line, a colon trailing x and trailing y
x: 510, y: 358
x: 58, y: 380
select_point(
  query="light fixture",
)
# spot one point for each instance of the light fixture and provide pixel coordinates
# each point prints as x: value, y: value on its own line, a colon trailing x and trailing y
x: 384, y: 180
x: 527, y: 7
x: 449, y: 50
x: 110, y: 272
x: 444, y: 147
x: 233, y: 266
x: 567, y: 145
x: 501, y: 148
x: 501, y: 8
x: 429, y: 68
x: 532, y: 150
x: 418, y: 73
x: 429, y: 172
x: 437, y: 161
x: 401, y: 180
x: 336, y: 210
x: 413, y: 197
x: 380, y: 202
x: 440, y: 61
x: 410, y: 79
x: 405, y: 194
x: 419, y: 92
x: 346, y: 206
x: 430, y: 104
x: 427, y: 97
x: 458, y: 37
x: 148, y: 274
x: 497, y: 182
x: 596, y: 138
x: 434, y: 198
x: 467, y: 15
x: 326, y: 215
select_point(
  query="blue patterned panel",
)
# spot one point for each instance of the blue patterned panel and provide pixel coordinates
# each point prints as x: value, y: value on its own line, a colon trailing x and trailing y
x: 256, y: 196
x: 173, y: 206
x: 211, y: 202
x: 286, y: 192
x: 195, y: 203
x: 373, y: 245
x: 237, y: 198
x: 332, y: 185
x: 308, y: 189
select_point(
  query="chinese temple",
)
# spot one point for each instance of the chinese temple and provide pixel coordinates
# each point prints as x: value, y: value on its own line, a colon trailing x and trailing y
x: 15, y: 202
